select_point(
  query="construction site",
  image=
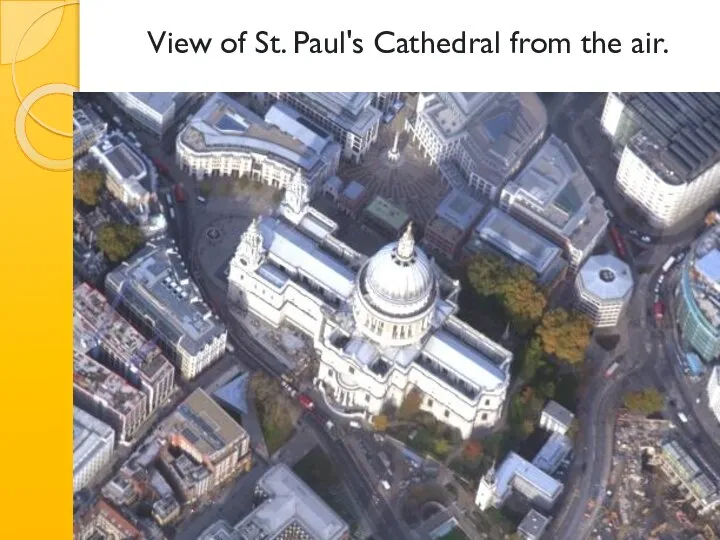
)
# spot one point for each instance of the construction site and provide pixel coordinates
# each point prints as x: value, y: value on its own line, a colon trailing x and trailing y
x: 644, y: 501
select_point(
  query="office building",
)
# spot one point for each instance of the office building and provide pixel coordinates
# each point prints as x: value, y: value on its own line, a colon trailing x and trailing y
x: 382, y: 326
x: 226, y: 138
x: 156, y: 111
x: 107, y: 396
x: 478, y: 139
x: 669, y: 145
x: 502, y: 234
x: 383, y: 101
x: 556, y: 418
x: 691, y: 475
x: 103, y: 522
x: 553, y: 195
x: 348, y: 116
x: 284, y: 507
x: 352, y: 198
x: 88, y: 129
x: 697, y: 297
x: 154, y: 288
x: 205, y: 447
x: 713, y: 392
x: 452, y: 224
x: 519, y: 475
x: 553, y: 453
x: 93, y: 444
x: 533, y: 525
x: 385, y: 217
x: 603, y: 288
x: 100, y: 330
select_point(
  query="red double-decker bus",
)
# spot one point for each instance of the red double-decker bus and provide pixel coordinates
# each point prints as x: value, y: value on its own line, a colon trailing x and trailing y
x: 179, y: 193
x: 618, y: 241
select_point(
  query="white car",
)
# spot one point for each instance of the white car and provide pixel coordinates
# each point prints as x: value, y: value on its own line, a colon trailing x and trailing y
x: 354, y: 424
x: 386, y: 485
x: 646, y: 239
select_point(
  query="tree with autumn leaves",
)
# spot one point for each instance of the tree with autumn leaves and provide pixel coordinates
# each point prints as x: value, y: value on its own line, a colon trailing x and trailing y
x: 87, y: 185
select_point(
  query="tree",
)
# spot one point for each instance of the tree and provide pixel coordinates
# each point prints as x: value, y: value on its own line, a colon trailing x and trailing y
x: 524, y: 301
x: 472, y: 451
x: 644, y: 401
x: 531, y: 359
x: 87, y: 185
x: 410, y: 405
x: 486, y: 274
x: 565, y: 335
x: 380, y: 422
x: 118, y: 240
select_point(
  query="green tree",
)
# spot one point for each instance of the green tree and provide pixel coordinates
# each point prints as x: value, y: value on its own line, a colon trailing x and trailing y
x: 565, y: 335
x: 531, y: 359
x: 487, y: 273
x: 118, y: 240
x: 87, y: 185
x: 524, y: 301
x: 644, y: 401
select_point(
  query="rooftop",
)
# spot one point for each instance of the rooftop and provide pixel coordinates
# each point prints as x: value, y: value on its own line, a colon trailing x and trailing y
x: 156, y: 282
x: 119, y: 158
x: 383, y: 210
x: 350, y: 110
x: 290, y: 502
x: 533, y: 524
x: 558, y: 412
x: 606, y: 277
x: 96, y: 322
x: 516, y: 241
x: 90, y: 436
x: 514, y: 467
x: 204, y: 424
x: 353, y: 191
x: 160, y: 102
x: 702, y: 274
x: 459, y: 210
x: 223, y: 124
x: 104, y: 385
x: 690, y: 472
x: 553, y: 452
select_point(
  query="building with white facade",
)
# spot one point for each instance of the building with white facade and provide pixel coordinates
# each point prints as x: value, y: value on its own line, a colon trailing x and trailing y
x: 348, y: 116
x: 285, y: 507
x: 157, y: 111
x: 713, y: 392
x: 478, y: 139
x: 556, y: 418
x: 88, y: 129
x: 697, y: 297
x: 93, y: 444
x: 533, y: 525
x: 224, y: 137
x: 383, y: 101
x: 553, y: 195
x: 603, y: 288
x: 155, y: 290
x: 670, y: 150
x: 382, y: 326
x: 517, y: 474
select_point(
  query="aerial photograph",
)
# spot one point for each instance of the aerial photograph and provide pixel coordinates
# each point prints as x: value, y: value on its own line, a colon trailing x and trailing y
x: 396, y: 316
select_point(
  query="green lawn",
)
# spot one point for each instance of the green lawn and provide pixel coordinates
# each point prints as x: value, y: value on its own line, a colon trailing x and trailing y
x: 455, y: 534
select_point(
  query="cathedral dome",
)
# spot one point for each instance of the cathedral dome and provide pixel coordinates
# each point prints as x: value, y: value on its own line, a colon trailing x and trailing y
x: 399, y: 280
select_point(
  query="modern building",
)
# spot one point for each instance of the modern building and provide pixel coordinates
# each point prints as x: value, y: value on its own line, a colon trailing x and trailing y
x: 352, y: 198
x: 553, y: 453
x: 519, y: 475
x: 226, y: 138
x: 156, y: 111
x: 556, y: 418
x: 103, y: 522
x: 603, y: 287
x: 100, y: 331
x: 88, y: 129
x: 452, y: 224
x: 479, y: 139
x: 93, y: 445
x: 205, y: 447
x: 348, y: 116
x: 713, y: 392
x: 533, y: 525
x: 384, y: 216
x: 669, y: 145
x: 502, y: 234
x: 697, y: 297
x: 553, y: 195
x: 383, y: 101
x: 154, y: 288
x: 382, y: 326
x: 284, y: 507
x: 107, y: 396
x: 692, y: 475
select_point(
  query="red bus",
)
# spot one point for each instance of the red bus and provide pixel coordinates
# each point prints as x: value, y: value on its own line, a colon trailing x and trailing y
x: 179, y: 193
x: 160, y: 166
x: 618, y: 241
x: 306, y: 402
x: 659, y: 311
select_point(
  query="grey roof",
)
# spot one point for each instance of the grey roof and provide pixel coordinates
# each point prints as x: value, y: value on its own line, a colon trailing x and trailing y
x: 291, y: 122
x: 160, y: 102
x: 678, y: 133
x: 515, y: 467
x: 156, y: 283
x: 459, y: 210
x: 517, y: 241
x: 690, y: 471
x: 90, y: 436
x: 533, y: 524
x: 553, y: 452
x: 353, y: 191
x: 558, y: 412
x: 350, y: 110
x: 606, y: 277
x: 709, y: 266
x: 234, y: 393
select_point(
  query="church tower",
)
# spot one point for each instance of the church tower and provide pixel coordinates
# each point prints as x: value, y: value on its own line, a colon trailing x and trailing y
x: 297, y: 198
x: 250, y: 252
x: 487, y: 490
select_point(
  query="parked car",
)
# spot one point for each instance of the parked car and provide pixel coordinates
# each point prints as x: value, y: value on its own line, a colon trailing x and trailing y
x: 646, y: 239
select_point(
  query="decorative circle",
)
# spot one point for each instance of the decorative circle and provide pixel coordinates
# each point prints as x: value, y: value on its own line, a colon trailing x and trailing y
x: 20, y: 126
x: 213, y: 233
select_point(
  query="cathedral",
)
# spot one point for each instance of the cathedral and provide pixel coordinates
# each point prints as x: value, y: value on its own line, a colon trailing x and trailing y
x: 382, y: 325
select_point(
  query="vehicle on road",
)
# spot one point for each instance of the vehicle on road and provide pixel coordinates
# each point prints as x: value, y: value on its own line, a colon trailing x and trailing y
x: 386, y: 485
x: 230, y: 347
x: 612, y: 369
x: 132, y: 135
x: 398, y: 105
x: 388, y: 118
x: 645, y: 239
x: 201, y: 200
x: 160, y: 166
x: 179, y: 193
x: 117, y: 120
x: 306, y: 402
x: 329, y: 425
x: 168, y: 199
x: 668, y: 264
x: 659, y: 311
x: 634, y: 232
x: 680, y: 256
x: 618, y: 241
x: 682, y: 417
x: 354, y: 424
x: 172, y: 213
